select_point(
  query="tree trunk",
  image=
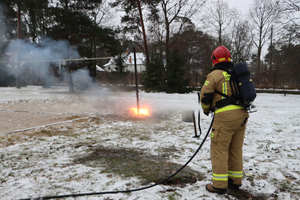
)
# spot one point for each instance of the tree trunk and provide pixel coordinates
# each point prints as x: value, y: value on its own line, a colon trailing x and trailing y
x: 259, y: 54
x: 220, y: 34
x: 144, y: 32
x: 71, y: 85
x: 18, y: 85
x: 167, y: 45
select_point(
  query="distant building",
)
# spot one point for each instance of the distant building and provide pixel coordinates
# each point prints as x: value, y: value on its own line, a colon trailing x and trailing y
x: 129, y: 62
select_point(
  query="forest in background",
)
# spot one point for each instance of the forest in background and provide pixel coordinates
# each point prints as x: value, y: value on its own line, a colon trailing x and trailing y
x: 177, y: 38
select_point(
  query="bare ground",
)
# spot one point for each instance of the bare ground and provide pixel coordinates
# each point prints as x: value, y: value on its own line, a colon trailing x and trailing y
x: 22, y: 115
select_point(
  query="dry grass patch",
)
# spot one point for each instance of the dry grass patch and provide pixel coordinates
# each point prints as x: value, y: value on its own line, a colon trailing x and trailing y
x: 26, y: 136
x: 133, y: 163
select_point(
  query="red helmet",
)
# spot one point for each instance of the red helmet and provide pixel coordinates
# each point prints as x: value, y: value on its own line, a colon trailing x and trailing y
x: 220, y: 54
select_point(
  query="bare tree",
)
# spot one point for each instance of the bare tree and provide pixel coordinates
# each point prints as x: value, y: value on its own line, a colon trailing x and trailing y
x: 292, y: 19
x: 241, y: 41
x: 291, y: 10
x: 219, y: 17
x: 293, y: 4
x: 263, y: 14
x: 134, y: 19
x: 171, y: 16
x: 102, y: 14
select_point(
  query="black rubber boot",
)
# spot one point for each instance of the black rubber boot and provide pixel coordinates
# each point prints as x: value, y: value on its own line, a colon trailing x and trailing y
x: 233, y: 186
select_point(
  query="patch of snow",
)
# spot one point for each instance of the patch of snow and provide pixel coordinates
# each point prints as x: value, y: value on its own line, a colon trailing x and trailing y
x: 44, y: 166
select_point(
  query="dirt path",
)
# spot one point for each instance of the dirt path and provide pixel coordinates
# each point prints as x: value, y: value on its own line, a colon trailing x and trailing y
x: 17, y: 115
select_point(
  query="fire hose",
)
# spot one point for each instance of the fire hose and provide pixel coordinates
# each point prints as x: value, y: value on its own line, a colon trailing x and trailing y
x: 131, y: 190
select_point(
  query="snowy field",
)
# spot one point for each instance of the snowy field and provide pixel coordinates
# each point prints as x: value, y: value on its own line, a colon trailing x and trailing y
x: 36, y: 163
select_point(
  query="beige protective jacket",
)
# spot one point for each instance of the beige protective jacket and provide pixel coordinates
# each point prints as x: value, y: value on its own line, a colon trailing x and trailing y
x: 217, y: 80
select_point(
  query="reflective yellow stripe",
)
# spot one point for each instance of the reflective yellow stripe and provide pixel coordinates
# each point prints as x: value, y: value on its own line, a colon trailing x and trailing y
x: 224, y: 89
x: 205, y: 105
x: 221, y: 59
x: 227, y: 108
x: 224, y: 85
x: 226, y: 76
x: 236, y: 174
x: 206, y: 83
x: 220, y: 177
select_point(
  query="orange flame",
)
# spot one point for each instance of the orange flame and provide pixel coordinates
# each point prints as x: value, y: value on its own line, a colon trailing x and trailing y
x: 141, y: 111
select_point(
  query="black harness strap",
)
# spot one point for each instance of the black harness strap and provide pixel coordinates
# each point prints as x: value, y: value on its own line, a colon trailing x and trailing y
x: 229, y: 100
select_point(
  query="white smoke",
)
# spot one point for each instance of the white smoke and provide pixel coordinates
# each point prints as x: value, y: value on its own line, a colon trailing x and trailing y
x: 82, y: 79
x: 36, y: 55
x: 40, y: 56
x: 47, y: 51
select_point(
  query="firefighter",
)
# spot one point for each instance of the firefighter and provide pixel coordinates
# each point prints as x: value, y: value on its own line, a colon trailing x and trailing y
x: 228, y: 130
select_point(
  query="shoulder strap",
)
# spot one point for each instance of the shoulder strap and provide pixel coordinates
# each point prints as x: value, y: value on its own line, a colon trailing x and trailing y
x: 233, y: 99
x: 222, y: 94
x: 233, y: 87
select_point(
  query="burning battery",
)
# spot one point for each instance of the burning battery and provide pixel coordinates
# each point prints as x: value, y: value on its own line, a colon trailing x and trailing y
x: 140, y: 112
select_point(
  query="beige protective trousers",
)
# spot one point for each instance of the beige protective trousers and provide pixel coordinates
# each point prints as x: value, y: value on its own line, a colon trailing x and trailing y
x: 227, y: 138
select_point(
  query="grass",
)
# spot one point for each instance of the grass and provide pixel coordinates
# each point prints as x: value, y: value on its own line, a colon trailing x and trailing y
x: 132, y: 163
x: 286, y: 186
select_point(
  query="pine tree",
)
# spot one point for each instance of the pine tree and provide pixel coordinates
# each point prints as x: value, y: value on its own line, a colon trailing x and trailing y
x: 153, y: 79
x: 175, y: 74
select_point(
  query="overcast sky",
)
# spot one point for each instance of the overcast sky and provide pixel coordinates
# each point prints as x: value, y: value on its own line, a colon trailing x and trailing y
x: 240, y: 5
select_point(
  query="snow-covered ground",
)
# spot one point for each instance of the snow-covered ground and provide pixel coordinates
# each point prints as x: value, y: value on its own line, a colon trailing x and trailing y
x: 43, y: 165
